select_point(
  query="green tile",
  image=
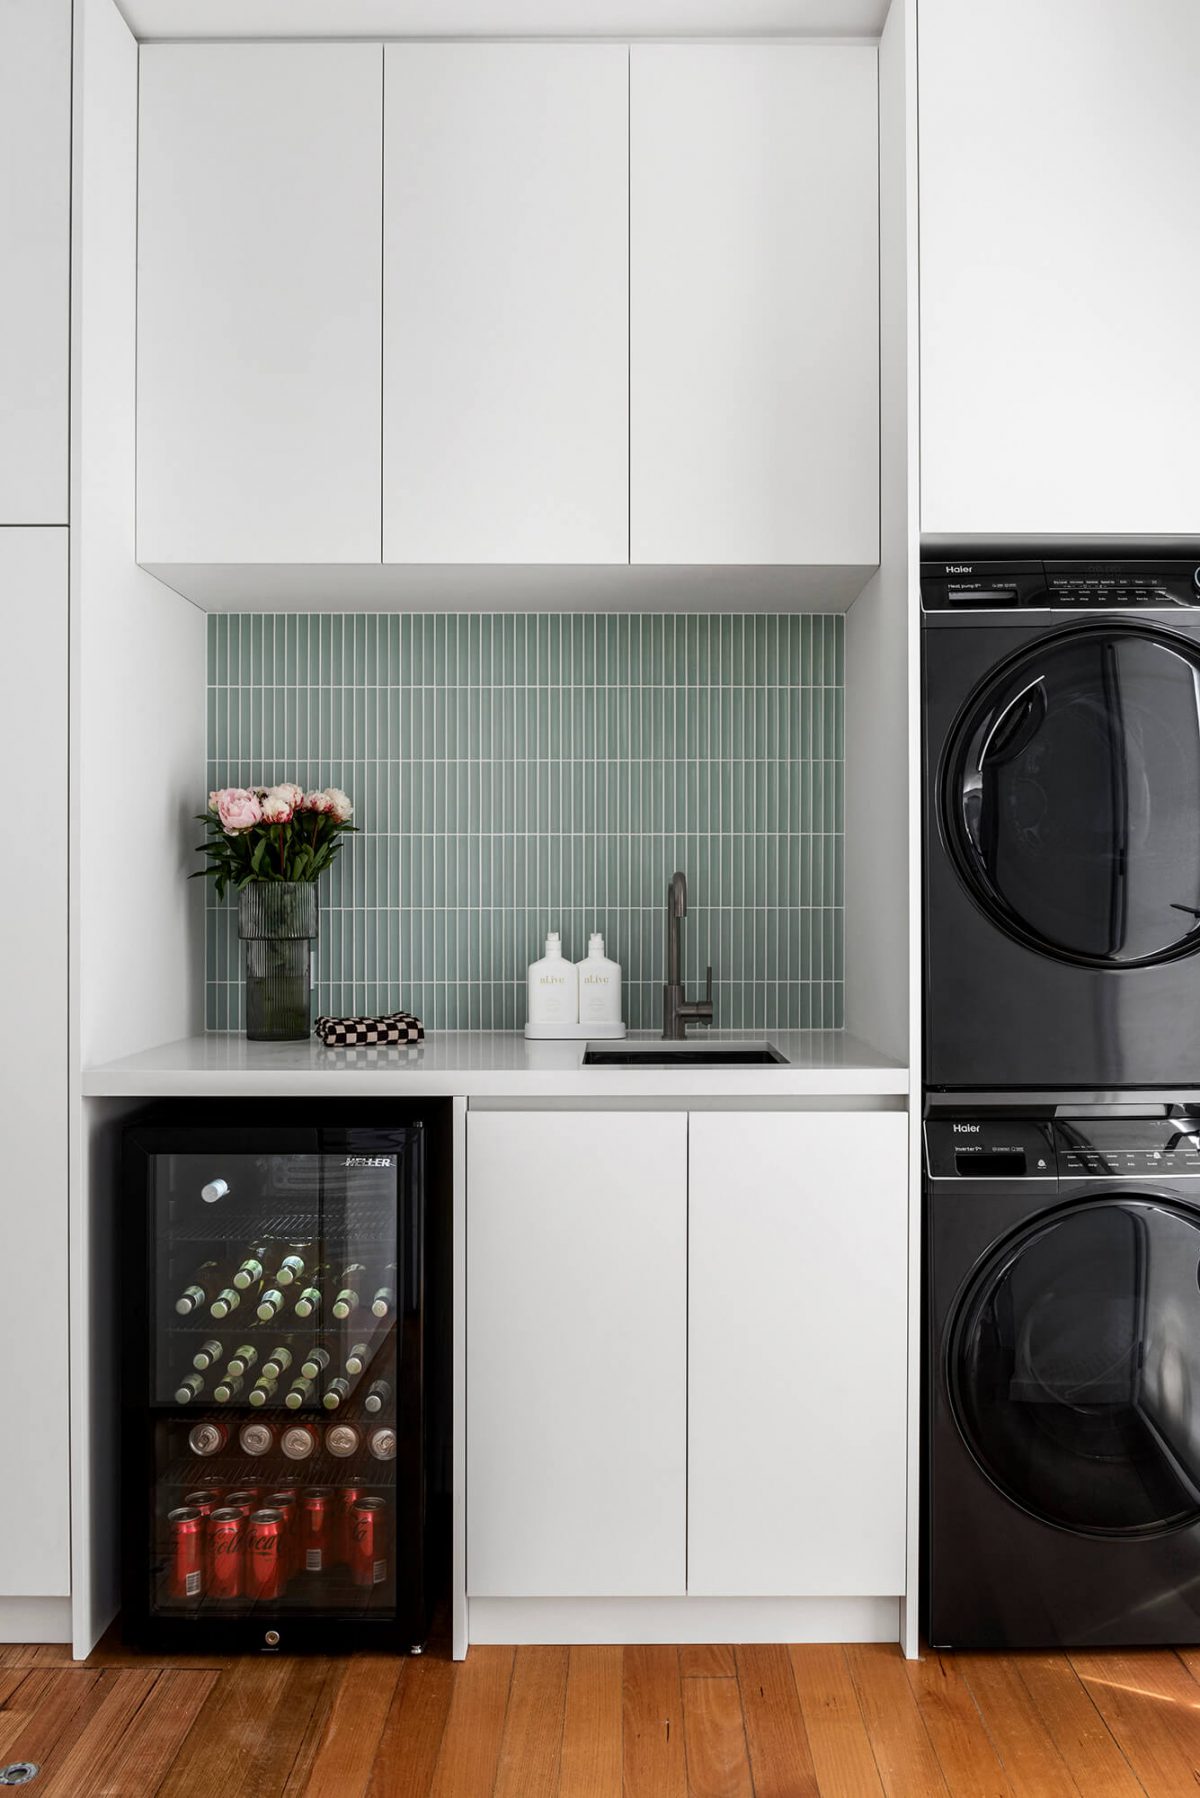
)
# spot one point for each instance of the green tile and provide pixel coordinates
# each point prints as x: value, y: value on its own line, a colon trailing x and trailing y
x: 512, y: 772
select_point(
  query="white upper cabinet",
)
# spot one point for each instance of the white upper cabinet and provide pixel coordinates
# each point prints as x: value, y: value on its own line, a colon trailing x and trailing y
x: 1060, y: 264
x: 797, y: 1353
x: 506, y: 292
x: 259, y: 302
x: 35, y: 257
x: 754, y: 273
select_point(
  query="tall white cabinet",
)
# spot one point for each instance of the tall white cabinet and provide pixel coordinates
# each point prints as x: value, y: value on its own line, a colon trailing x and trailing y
x: 34, y: 1493
x: 259, y: 302
x: 1060, y: 261
x: 754, y: 303
x: 505, y: 362
x: 35, y: 257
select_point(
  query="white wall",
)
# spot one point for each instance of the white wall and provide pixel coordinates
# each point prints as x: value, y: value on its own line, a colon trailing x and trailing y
x: 139, y: 648
x: 137, y: 767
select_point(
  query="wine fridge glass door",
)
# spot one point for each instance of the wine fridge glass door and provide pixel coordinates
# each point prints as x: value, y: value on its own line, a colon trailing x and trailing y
x: 280, y: 1280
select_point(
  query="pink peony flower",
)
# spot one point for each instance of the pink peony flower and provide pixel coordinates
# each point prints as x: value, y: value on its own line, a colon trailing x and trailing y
x: 238, y: 809
x: 277, y: 806
x: 315, y: 802
x: 339, y: 804
x: 291, y: 792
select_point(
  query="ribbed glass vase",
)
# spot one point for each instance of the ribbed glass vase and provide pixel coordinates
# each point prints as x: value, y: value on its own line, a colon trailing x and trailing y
x: 277, y: 920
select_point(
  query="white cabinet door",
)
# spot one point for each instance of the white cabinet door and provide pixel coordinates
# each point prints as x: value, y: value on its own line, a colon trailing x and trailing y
x: 1060, y: 263
x: 506, y: 303
x: 754, y: 308
x: 35, y: 1559
x: 797, y: 1358
x: 576, y: 1345
x: 35, y: 257
x: 259, y: 302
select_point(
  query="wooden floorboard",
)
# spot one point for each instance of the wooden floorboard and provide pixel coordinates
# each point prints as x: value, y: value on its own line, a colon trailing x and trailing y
x: 639, y: 1722
x: 412, y: 1736
x: 841, y: 1750
x: 591, y: 1764
x: 780, y: 1758
x: 714, y: 1739
x: 652, y: 1724
x: 1151, y: 1705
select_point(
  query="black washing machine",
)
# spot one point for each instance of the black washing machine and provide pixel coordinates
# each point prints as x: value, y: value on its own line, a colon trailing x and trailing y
x: 1062, y: 1430
x: 1062, y: 823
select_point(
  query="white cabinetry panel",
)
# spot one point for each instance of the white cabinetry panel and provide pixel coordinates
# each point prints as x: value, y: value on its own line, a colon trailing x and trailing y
x: 754, y: 305
x: 35, y: 1555
x: 506, y: 296
x: 259, y: 302
x: 797, y: 1353
x: 1060, y: 262
x: 35, y: 256
x: 576, y: 1344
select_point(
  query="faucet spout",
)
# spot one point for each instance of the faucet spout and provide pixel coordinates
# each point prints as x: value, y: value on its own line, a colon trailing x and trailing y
x: 678, y: 1010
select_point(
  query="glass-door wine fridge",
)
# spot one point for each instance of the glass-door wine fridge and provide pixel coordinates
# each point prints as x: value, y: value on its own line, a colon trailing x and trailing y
x: 286, y: 1391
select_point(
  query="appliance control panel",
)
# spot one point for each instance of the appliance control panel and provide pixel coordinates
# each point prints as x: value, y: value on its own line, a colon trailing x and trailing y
x: 1128, y: 1148
x: 963, y: 583
x: 1088, y: 1148
x: 989, y: 1148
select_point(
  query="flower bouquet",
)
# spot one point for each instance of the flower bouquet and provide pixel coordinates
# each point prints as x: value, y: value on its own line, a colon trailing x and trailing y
x: 270, y: 844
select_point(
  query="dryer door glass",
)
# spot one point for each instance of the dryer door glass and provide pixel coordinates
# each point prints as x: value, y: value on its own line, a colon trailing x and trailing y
x: 1070, y: 796
x: 1073, y: 1367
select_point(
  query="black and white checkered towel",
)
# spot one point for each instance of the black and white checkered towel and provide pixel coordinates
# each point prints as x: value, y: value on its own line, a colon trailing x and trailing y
x: 349, y: 1033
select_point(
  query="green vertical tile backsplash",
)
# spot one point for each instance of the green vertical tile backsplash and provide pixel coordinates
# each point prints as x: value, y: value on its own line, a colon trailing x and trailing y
x: 518, y: 773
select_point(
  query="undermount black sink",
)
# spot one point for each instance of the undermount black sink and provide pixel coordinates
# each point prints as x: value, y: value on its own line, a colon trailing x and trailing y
x: 688, y: 1054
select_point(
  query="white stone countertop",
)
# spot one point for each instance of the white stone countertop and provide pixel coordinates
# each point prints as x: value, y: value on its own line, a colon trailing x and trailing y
x: 492, y: 1064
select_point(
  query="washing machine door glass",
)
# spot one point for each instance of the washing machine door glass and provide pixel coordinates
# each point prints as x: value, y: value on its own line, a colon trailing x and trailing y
x: 1073, y: 1367
x: 1070, y: 796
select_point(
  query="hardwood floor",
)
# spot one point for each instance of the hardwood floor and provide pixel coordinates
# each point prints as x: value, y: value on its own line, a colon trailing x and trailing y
x: 716, y: 1722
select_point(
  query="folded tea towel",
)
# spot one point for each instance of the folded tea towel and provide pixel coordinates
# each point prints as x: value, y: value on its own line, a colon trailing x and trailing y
x: 347, y: 1033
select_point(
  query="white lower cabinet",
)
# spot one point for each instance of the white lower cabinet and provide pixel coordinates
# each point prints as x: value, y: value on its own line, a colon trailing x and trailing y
x: 576, y: 1353
x: 797, y: 1358
x: 686, y: 1354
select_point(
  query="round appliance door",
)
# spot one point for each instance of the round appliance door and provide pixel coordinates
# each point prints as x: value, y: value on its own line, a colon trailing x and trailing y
x: 1073, y: 1367
x: 1070, y: 796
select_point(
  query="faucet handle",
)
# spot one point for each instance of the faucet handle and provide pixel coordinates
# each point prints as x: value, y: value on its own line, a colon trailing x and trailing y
x: 708, y: 985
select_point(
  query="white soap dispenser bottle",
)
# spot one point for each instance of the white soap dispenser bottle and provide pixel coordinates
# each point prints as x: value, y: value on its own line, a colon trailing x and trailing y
x: 599, y: 985
x: 553, y: 987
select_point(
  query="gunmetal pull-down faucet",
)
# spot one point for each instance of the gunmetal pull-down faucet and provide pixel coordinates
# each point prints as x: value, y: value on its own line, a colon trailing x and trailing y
x: 678, y: 1011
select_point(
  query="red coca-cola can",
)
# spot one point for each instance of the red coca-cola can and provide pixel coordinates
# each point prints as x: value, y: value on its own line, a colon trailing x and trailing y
x: 226, y: 1537
x: 346, y: 1499
x: 316, y: 1529
x: 285, y: 1501
x: 205, y: 1502
x: 368, y: 1542
x: 185, y: 1575
x: 266, y: 1554
x: 244, y: 1499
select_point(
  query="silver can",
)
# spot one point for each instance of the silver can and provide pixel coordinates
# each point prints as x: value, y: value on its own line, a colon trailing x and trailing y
x: 256, y: 1438
x: 342, y: 1440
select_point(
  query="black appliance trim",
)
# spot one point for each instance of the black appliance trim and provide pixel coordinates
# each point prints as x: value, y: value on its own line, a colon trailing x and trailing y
x: 422, y: 1499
